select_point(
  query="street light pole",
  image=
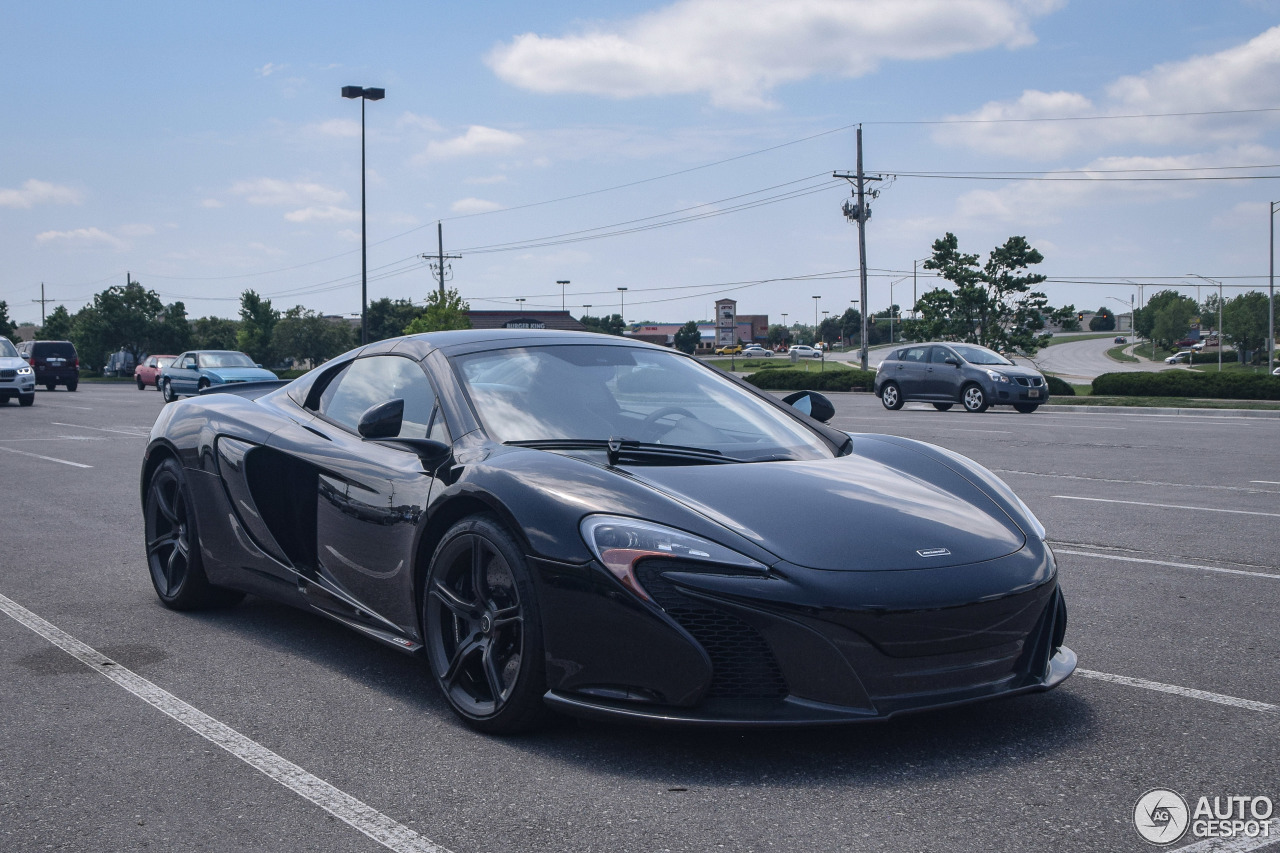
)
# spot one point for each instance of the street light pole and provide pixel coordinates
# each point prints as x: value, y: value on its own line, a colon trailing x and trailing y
x: 815, y: 318
x: 622, y: 292
x: 1221, y: 336
x: 520, y: 301
x: 364, y: 95
x: 1271, y: 297
x: 563, y: 284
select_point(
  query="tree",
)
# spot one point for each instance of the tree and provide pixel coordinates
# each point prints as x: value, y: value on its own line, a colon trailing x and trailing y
x: 257, y: 321
x: 121, y: 317
x: 305, y: 335
x: 778, y: 334
x: 1103, y: 321
x: 213, y: 333
x: 173, y: 331
x: 389, y: 318
x: 1166, y: 316
x: 7, y: 326
x: 688, y: 337
x: 443, y: 312
x: 1144, y: 320
x: 992, y: 305
x: 611, y: 325
x: 57, y: 326
x: 1244, y: 323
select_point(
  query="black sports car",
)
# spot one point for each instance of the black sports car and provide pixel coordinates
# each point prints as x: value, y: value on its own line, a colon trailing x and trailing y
x: 605, y: 527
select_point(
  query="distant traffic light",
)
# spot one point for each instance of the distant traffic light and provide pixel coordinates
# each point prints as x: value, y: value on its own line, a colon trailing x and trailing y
x: 1080, y: 315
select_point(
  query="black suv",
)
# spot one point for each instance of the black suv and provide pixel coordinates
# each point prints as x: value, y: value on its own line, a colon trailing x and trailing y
x: 55, y: 362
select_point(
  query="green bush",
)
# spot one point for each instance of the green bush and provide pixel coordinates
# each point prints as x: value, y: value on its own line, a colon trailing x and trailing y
x: 790, y: 379
x: 1058, y: 388
x: 1187, y: 383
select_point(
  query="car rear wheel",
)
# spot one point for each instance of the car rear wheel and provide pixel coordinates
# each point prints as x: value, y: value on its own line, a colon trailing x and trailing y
x: 891, y: 397
x: 943, y: 407
x: 482, y: 629
x: 142, y: 386
x: 73, y: 384
x: 974, y: 398
x: 49, y: 386
x: 166, y: 391
x: 1026, y: 408
x: 173, y: 547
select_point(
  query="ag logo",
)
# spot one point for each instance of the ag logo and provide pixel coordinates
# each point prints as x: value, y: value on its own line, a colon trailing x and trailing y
x: 1160, y: 816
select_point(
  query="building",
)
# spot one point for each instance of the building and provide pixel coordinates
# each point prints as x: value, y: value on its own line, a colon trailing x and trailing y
x: 560, y: 321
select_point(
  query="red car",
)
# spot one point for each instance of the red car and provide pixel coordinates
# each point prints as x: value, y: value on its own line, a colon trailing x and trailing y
x: 148, y: 373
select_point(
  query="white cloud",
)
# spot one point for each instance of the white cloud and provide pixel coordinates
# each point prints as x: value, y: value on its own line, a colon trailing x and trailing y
x: 82, y: 236
x: 35, y: 192
x: 477, y: 140
x: 339, y: 127
x: 270, y: 191
x: 211, y: 202
x: 486, y: 180
x: 474, y: 205
x: 349, y: 235
x: 136, y: 230
x: 738, y: 51
x: 1243, y: 77
x: 413, y: 120
x: 269, y: 69
x: 322, y: 213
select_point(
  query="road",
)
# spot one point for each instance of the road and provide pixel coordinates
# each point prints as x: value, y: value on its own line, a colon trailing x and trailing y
x: 1166, y: 533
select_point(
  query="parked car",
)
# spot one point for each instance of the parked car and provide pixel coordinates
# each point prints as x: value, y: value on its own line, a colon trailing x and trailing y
x: 1120, y: 339
x: 1183, y: 357
x: 119, y: 364
x: 55, y: 363
x: 1187, y: 342
x: 946, y: 373
x: 17, y: 377
x: 805, y: 351
x: 148, y: 373
x: 195, y: 370
x: 1276, y: 372
x: 756, y: 351
x: 733, y: 350
x: 544, y: 532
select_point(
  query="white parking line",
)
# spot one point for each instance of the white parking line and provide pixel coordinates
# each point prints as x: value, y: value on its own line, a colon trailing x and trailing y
x: 1168, y: 506
x: 1191, y: 693
x: 1128, y: 482
x: 1267, y: 482
x: 961, y: 429
x: 46, y: 458
x: 56, y: 438
x: 101, y: 429
x: 382, y: 829
x: 1058, y: 550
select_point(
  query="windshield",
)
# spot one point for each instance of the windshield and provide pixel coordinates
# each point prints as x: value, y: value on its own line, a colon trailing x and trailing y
x: 7, y: 350
x: 979, y: 355
x: 225, y: 359
x: 590, y: 392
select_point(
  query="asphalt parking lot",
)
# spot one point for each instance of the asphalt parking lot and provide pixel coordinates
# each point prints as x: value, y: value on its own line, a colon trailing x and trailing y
x: 1167, y: 530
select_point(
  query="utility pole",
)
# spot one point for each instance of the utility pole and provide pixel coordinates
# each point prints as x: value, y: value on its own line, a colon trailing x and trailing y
x: 440, y: 257
x: 42, y: 302
x: 860, y: 213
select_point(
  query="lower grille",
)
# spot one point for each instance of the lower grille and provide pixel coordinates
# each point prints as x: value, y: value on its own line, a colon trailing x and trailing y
x: 742, y: 664
x: 1030, y: 381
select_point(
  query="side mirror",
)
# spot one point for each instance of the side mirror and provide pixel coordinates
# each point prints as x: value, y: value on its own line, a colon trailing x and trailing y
x: 952, y: 361
x: 811, y: 403
x: 257, y: 365
x: 382, y: 420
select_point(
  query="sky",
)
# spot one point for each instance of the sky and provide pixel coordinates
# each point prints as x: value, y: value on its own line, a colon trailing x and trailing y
x: 682, y: 150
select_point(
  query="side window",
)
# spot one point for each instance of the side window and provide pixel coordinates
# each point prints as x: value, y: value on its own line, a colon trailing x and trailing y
x: 915, y: 354
x: 377, y: 379
x: 940, y: 355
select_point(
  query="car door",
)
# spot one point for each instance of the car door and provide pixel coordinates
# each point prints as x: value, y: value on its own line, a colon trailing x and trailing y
x: 369, y: 496
x: 942, y: 380
x: 182, y: 374
x: 908, y: 372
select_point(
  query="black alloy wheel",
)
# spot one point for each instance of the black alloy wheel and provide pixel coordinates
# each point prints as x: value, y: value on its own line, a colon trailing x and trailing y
x: 482, y: 631
x: 891, y: 396
x: 974, y: 398
x: 166, y: 391
x: 1026, y: 408
x: 943, y: 407
x: 173, y: 548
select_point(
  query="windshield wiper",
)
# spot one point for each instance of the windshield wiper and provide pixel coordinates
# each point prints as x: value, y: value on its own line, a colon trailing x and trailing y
x: 618, y: 448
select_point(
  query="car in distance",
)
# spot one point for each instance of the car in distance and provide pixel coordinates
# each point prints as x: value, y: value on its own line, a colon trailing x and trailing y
x: 148, y: 372
x: 948, y: 373
x: 55, y: 363
x: 730, y: 350
x: 756, y: 351
x: 17, y: 377
x: 1183, y: 357
x: 805, y: 351
x: 196, y: 370
x: 572, y: 521
x: 1120, y: 339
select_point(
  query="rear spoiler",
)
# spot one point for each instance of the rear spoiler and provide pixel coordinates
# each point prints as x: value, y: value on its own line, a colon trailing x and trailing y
x: 250, y: 390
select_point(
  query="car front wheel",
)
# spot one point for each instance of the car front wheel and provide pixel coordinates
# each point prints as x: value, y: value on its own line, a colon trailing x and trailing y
x: 1026, y: 408
x: 891, y: 397
x: 482, y: 628
x: 25, y: 399
x: 974, y: 399
x: 142, y: 386
x: 166, y: 391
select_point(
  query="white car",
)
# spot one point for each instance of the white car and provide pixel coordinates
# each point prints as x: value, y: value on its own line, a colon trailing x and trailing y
x: 1183, y: 357
x: 17, y: 378
x: 756, y: 351
x: 1276, y: 372
x: 805, y: 351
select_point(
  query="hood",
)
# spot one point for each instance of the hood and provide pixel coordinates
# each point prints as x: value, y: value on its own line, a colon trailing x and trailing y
x: 240, y: 374
x: 851, y: 513
x: 1010, y: 370
x: 10, y: 362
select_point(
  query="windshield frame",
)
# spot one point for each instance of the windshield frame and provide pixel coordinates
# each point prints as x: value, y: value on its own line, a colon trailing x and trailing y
x: 208, y: 359
x: 1000, y: 361
x: 5, y: 346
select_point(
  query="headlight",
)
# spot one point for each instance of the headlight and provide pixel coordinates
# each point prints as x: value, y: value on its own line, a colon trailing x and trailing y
x: 997, y: 377
x: 24, y: 371
x: 619, y: 543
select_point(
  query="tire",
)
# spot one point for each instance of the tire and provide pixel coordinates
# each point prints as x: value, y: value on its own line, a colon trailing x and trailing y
x: 891, y: 397
x: 943, y: 407
x: 173, y: 545
x: 166, y: 391
x: 49, y: 386
x: 201, y: 385
x: 26, y: 399
x: 73, y: 384
x: 142, y: 386
x: 482, y: 628
x: 974, y: 398
x: 1026, y: 408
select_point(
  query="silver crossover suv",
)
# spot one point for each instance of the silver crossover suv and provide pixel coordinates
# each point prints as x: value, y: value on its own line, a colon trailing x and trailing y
x: 945, y: 374
x: 17, y: 378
